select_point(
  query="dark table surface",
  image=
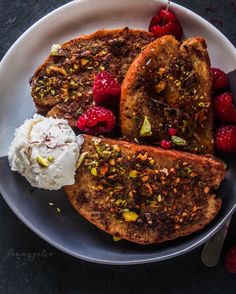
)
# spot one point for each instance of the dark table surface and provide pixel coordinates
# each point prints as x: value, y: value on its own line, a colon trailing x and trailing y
x: 30, y: 265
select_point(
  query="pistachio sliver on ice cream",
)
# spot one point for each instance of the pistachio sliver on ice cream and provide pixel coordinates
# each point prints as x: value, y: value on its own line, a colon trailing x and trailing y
x: 45, y: 151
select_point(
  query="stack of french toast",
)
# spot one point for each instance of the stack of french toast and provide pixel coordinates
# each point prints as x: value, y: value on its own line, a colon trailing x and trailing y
x: 155, y: 178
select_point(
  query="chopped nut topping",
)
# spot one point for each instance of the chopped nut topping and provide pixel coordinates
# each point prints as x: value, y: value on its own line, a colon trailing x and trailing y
x: 146, y: 129
x: 116, y: 238
x: 94, y: 171
x: 130, y: 216
x: 160, y: 86
x: 142, y: 157
x: 42, y: 161
x: 53, y: 68
x: 206, y: 190
x: 84, y: 61
x: 145, y: 178
x: 133, y: 174
x: 104, y: 169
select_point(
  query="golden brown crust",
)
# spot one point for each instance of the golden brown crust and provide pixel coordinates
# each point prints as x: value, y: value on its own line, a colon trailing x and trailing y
x: 67, y: 79
x: 170, y: 84
x: 168, y: 193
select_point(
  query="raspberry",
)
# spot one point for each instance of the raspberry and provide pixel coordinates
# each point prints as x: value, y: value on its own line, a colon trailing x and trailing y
x: 225, y: 139
x: 165, y: 23
x: 220, y: 80
x: 230, y: 260
x: 165, y: 144
x: 106, y: 89
x: 224, y: 108
x: 172, y: 131
x: 96, y: 120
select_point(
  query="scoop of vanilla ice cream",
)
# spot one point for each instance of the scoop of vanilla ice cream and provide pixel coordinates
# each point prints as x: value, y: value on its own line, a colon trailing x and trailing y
x: 45, y: 151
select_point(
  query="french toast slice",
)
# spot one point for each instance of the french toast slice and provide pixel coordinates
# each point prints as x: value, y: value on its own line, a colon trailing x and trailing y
x: 144, y: 194
x: 169, y: 86
x: 66, y: 79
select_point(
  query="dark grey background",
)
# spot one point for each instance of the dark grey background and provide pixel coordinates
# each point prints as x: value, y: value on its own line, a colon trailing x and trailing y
x: 30, y: 265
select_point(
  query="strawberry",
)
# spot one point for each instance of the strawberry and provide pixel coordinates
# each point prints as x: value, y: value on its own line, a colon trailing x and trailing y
x: 230, y: 260
x: 220, y: 80
x: 224, y: 108
x: 225, y: 139
x: 165, y: 23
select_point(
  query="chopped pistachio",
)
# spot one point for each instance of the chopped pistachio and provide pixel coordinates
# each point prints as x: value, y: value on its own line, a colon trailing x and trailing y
x: 187, y: 170
x: 152, y: 161
x: 130, y: 216
x: 152, y: 203
x: 81, y: 159
x: 54, y: 68
x: 116, y: 239
x: 106, y: 154
x: 94, y: 171
x: 146, y: 129
x: 79, y: 111
x: 121, y: 202
x: 178, y: 141
x: 159, y: 198
x: 133, y: 174
x: 55, y: 49
x: 73, y: 83
x: 185, y: 125
x: 58, y: 209
x: 204, y: 104
x: 101, y: 150
x: 42, y: 161
x: 51, y: 158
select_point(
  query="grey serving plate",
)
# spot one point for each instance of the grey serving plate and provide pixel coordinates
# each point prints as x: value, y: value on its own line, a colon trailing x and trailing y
x: 67, y: 230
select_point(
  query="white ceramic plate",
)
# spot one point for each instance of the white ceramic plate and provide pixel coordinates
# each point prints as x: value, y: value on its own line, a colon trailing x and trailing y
x: 68, y: 231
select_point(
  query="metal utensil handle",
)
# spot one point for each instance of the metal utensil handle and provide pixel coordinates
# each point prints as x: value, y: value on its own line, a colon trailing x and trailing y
x: 212, y: 249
